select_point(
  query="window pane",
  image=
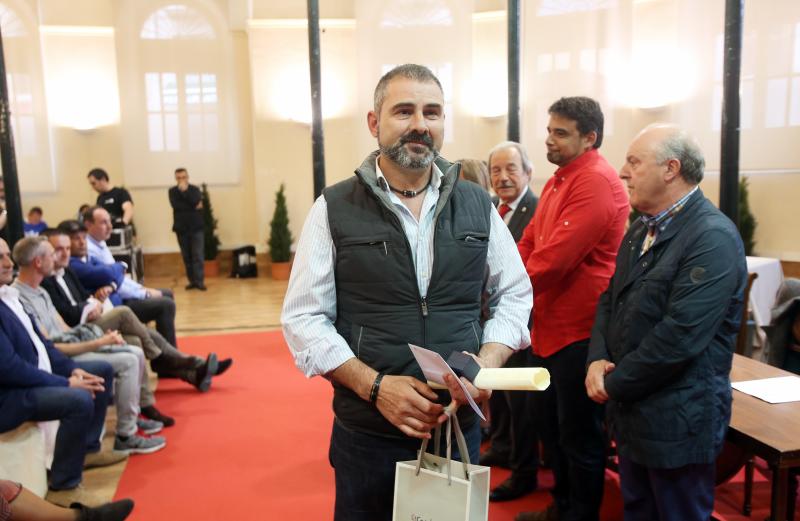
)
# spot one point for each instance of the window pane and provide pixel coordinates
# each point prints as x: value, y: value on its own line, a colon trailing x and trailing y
x: 152, y: 92
x: 26, y: 136
x: 747, y: 94
x: 192, y: 89
x: 194, y: 128
x: 794, y: 112
x: 172, y: 135
x: 796, y: 60
x: 209, y: 89
x: 155, y: 132
x: 776, y: 102
x: 562, y: 61
x: 211, y: 132
x: 176, y: 21
x: 169, y: 86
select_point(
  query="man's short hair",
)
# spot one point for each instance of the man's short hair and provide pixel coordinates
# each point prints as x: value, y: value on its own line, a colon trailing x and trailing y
x: 410, y: 71
x: 51, y: 232
x: 88, y: 214
x: 527, y: 165
x: 98, y: 173
x: 27, y: 249
x: 585, y: 112
x: 35, y: 209
x: 71, y: 226
x: 180, y: 169
x: 680, y: 145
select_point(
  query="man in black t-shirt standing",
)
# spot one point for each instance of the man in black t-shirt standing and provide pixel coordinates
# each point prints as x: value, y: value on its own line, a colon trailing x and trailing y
x: 117, y: 201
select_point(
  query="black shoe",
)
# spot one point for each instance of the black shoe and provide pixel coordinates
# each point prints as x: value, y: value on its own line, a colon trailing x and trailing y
x: 512, y: 489
x: 150, y: 412
x: 201, y: 377
x: 115, y: 511
x: 201, y: 287
x: 223, y: 365
x: 492, y: 458
x: 172, y: 366
x: 190, y: 286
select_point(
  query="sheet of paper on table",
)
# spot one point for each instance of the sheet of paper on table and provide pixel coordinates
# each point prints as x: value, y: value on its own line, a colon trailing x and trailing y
x: 434, y: 368
x: 782, y: 389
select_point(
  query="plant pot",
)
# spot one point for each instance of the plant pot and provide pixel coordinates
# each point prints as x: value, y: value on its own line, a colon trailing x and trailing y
x: 280, y: 270
x: 211, y: 268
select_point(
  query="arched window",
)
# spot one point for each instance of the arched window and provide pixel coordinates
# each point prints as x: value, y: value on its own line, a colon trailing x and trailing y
x: 177, y: 95
x: 412, y: 13
x: 176, y: 21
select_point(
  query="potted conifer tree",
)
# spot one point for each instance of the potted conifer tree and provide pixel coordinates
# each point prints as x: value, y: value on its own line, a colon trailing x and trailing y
x: 280, y: 239
x: 211, y: 251
x: 747, y: 221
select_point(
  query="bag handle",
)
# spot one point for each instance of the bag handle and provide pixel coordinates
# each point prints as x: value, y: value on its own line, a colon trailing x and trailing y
x: 452, y: 421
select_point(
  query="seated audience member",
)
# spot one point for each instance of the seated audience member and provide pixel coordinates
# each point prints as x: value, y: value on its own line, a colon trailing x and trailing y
x: 70, y: 294
x: 20, y: 504
x: 116, y: 201
x: 35, y: 224
x: 34, y: 257
x: 39, y: 383
x: 665, y: 330
x: 147, y: 303
x: 474, y: 171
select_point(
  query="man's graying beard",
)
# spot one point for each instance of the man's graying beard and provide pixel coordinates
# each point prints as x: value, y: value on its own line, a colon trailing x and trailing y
x: 398, y: 154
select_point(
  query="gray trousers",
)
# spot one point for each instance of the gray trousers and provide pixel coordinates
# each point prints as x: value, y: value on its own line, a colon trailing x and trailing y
x: 128, y: 364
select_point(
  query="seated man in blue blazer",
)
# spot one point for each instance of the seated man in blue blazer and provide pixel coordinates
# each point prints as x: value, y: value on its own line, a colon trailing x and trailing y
x: 38, y: 383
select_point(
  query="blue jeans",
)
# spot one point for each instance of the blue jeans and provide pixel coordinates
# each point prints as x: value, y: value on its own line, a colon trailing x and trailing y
x: 682, y: 494
x: 82, y: 419
x: 364, y: 465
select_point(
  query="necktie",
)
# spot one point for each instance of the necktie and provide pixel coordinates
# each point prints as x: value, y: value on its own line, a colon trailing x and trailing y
x: 649, y: 239
x: 503, y: 209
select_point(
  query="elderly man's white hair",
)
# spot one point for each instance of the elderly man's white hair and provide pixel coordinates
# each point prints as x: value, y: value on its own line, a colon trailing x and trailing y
x: 679, y: 144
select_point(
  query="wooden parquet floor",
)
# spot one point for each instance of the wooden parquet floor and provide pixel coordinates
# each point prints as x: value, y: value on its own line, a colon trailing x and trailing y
x: 228, y: 305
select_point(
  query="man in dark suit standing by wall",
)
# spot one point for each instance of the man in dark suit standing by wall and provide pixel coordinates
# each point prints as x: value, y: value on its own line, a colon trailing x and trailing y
x: 513, y: 436
x: 187, y: 211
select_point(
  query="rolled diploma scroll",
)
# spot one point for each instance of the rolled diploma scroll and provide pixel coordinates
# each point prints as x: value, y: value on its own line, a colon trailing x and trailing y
x: 509, y: 379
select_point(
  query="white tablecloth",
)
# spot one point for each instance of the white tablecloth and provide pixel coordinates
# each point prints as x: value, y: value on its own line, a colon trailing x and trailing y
x: 765, y: 287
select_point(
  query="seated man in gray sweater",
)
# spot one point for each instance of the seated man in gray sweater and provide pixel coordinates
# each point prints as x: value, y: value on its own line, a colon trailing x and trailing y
x: 34, y: 257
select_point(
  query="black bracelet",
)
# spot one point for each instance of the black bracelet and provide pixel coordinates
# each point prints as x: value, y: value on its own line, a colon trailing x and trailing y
x: 376, y: 386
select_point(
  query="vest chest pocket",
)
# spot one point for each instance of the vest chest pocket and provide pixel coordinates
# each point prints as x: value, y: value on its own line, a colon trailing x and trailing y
x: 472, y: 239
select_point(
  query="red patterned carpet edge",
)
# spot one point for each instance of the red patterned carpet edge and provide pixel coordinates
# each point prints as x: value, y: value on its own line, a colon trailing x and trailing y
x: 255, y: 447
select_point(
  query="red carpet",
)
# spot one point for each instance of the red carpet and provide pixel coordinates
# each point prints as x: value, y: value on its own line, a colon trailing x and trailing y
x: 255, y: 447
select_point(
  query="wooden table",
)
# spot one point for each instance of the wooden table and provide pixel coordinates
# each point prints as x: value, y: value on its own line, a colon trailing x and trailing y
x: 770, y: 431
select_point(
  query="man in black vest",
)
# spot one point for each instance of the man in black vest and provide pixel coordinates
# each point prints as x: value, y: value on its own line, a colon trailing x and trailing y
x: 513, y: 436
x: 371, y: 276
x: 187, y: 212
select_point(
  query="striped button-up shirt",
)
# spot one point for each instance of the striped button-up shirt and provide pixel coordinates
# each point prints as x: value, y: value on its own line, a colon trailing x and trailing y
x: 309, y: 309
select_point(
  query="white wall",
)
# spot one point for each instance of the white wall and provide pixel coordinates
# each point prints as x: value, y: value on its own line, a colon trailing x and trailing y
x: 267, y: 59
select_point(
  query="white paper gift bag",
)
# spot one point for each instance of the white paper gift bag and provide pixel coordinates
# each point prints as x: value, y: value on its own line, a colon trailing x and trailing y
x: 435, y: 488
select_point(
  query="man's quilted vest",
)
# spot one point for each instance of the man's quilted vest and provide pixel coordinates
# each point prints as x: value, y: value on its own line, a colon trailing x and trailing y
x: 379, y: 306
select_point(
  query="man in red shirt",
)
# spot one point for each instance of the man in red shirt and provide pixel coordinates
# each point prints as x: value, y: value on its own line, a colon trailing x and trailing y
x: 569, y: 249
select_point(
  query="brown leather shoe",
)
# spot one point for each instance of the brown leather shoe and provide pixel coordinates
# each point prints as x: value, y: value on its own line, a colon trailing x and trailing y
x: 548, y: 514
